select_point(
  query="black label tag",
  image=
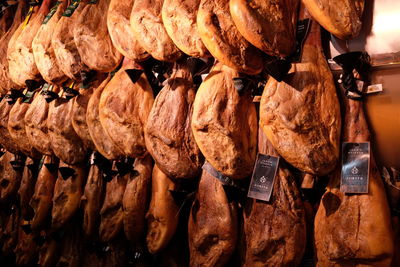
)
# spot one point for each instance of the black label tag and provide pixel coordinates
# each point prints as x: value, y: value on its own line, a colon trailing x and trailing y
x: 355, y: 167
x: 70, y: 93
x: 262, y: 181
x: 303, y: 27
x: 93, y: 2
x: 134, y: 74
x: 71, y: 8
x: 51, y: 13
x: 222, y: 178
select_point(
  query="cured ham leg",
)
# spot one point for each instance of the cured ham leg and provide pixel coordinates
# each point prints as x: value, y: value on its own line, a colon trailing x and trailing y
x: 119, y: 27
x: 162, y: 217
x: 64, y: 46
x: 103, y: 143
x: 5, y: 137
x: 341, y: 18
x: 43, y: 51
x: 301, y: 114
x: 146, y: 22
x: 27, y: 188
x: 68, y: 191
x: 354, y: 229
x: 223, y: 40
x: 267, y: 239
x: 268, y: 25
x: 93, y: 197
x: 224, y: 123
x: 179, y: 19
x: 213, y: 224
x: 11, y: 176
x: 41, y: 201
x: 135, y: 200
x: 124, y: 108
x: 5, y: 82
x: 22, y: 66
x: 17, y: 130
x: 93, y: 40
x: 168, y: 134
x: 111, y: 213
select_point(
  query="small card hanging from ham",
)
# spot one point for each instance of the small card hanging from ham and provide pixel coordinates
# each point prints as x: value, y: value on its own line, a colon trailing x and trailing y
x: 262, y: 181
x: 355, y: 167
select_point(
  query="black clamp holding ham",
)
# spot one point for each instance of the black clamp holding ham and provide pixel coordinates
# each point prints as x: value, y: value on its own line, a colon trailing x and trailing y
x: 235, y: 190
x: 184, y: 192
x: 103, y: 164
x: 198, y: 67
x: 87, y: 77
x: 12, y: 96
x: 18, y: 163
x: 350, y: 62
x: 66, y: 172
x: 32, y: 85
x: 70, y: 93
x: 134, y: 74
x: 278, y: 67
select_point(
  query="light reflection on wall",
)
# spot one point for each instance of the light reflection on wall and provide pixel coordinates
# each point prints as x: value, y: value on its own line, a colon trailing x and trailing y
x: 385, y: 36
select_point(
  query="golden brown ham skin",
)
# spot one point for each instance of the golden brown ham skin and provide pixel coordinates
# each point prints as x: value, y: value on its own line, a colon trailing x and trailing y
x: 213, y: 224
x: 224, y: 124
x: 268, y: 25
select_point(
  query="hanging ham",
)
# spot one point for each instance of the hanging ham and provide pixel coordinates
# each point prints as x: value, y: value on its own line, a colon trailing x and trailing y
x: 169, y: 137
x: 162, y: 217
x: 5, y: 82
x: 64, y: 46
x: 79, y: 109
x: 111, y: 213
x: 41, y: 201
x: 36, y: 123
x: 121, y: 34
x: 301, y: 114
x: 93, y: 196
x: 223, y: 40
x: 92, y: 39
x: 16, y: 128
x: 27, y: 188
x: 146, y: 22
x: 354, y: 229
x: 22, y: 66
x: 100, y: 138
x: 267, y: 241
x: 124, y: 108
x: 65, y: 142
x: 179, y: 19
x: 5, y: 138
x: 43, y: 51
x: 11, y: 177
x: 341, y: 18
x: 68, y: 191
x: 213, y: 224
x: 268, y: 25
x: 135, y: 200
x: 224, y: 123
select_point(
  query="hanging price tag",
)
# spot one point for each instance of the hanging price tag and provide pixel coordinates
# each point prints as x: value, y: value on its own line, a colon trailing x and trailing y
x: 51, y: 13
x: 262, y: 181
x: 71, y: 8
x: 355, y: 167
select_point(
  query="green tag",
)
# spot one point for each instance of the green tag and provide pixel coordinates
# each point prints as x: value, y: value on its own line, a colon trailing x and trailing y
x: 51, y: 13
x: 71, y: 9
x: 28, y: 97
